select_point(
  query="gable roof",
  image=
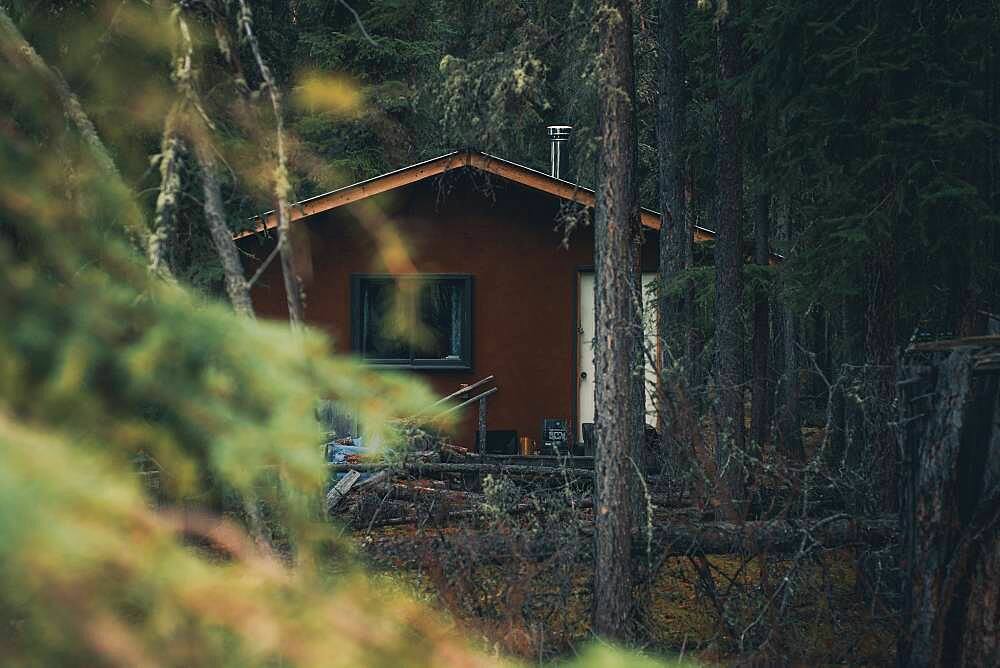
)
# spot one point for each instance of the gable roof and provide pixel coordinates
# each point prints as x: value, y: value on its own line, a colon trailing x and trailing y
x: 484, y: 162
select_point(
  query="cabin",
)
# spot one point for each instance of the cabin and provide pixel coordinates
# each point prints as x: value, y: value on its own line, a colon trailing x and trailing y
x: 464, y: 252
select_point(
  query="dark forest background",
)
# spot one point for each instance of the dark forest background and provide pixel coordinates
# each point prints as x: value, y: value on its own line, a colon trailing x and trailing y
x: 869, y: 127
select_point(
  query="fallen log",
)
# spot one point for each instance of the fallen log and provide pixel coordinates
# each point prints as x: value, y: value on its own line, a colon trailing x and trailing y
x: 780, y: 536
x: 375, y: 479
x: 434, y: 520
x: 420, y: 493
x: 340, y: 490
x: 763, y: 537
x: 420, y: 468
x: 445, y: 516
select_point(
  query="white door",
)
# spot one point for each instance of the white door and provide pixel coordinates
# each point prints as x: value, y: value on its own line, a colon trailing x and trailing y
x: 585, y: 349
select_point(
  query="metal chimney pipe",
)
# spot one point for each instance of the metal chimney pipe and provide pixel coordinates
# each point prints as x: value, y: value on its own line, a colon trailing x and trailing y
x: 558, y: 135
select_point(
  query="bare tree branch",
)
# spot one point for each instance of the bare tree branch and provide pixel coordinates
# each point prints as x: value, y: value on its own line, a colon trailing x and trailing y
x: 237, y: 287
x: 293, y: 284
x: 263, y: 265
x: 164, y: 220
x: 357, y: 19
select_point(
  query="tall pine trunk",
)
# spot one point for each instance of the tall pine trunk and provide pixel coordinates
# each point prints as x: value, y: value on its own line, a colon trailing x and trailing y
x: 788, y: 414
x: 880, y: 351
x: 760, y: 413
x: 676, y: 231
x: 729, y: 270
x: 618, y: 331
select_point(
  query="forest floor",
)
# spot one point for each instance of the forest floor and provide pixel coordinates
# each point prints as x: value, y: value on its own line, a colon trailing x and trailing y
x: 533, y: 613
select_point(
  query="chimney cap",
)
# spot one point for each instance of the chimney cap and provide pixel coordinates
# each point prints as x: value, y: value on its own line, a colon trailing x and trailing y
x: 559, y: 132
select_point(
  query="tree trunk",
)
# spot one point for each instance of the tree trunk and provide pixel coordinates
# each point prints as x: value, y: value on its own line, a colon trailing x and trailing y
x: 164, y: 222
x: 729, y: 273
x: 293, y: 282
x: 788, y: 413
x: 949, y: 507
x: 760, y: 413
x: 694, y: 343
x: 236, y: 283
x: 880, y: 351
x: 618, y: 331
x: 837, y: 399
x: 676, y: 232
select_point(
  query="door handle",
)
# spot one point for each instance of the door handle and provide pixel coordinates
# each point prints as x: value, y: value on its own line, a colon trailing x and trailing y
x: 583, y: 375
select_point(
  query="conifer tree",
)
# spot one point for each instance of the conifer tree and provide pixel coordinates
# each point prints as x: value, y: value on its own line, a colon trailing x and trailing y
x: 729, y: 347
x: 618, y: 331
x: 676, y: 233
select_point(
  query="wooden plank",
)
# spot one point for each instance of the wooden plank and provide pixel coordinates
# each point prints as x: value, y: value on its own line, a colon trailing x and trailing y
x: 532, y: 179
x: 492, y: 390
x: 563, y: 189
x: 457, y: 393
x: 359, y: 191
x: 340, y: 490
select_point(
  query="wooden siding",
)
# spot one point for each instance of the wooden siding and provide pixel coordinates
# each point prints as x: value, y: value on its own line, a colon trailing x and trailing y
x: 525, y: 302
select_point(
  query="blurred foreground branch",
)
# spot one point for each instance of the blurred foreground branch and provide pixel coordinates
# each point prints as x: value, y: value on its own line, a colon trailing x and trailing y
x: 15, y: 48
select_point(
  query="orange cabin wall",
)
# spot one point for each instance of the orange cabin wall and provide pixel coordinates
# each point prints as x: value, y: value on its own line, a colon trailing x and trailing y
x: 524, y: 285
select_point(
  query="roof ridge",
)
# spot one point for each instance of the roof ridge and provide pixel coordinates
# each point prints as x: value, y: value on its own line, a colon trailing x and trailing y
x: 474, y: 158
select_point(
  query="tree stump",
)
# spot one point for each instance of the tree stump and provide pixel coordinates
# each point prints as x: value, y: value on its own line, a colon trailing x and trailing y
x: 949, y: 495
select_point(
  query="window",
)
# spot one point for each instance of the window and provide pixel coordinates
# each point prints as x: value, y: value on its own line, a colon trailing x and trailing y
x: 422, y: 321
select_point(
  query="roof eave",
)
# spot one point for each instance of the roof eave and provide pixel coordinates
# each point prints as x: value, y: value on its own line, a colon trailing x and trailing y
x: 456, y: 159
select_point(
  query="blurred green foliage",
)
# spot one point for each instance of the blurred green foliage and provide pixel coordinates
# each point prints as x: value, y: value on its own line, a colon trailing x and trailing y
x: 98, y: 361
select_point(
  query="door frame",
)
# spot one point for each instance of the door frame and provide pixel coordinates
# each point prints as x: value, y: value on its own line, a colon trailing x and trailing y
x: 578, y: 273
x: 575, y: 409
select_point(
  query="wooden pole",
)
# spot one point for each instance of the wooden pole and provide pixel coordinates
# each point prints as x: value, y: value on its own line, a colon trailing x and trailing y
x: 481, y: 444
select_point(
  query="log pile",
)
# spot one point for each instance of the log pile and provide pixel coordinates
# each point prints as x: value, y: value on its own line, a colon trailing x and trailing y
x: 444, y: 488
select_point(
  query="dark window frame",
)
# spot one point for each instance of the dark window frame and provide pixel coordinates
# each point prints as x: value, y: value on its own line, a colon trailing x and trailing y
x: 465, y: 361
